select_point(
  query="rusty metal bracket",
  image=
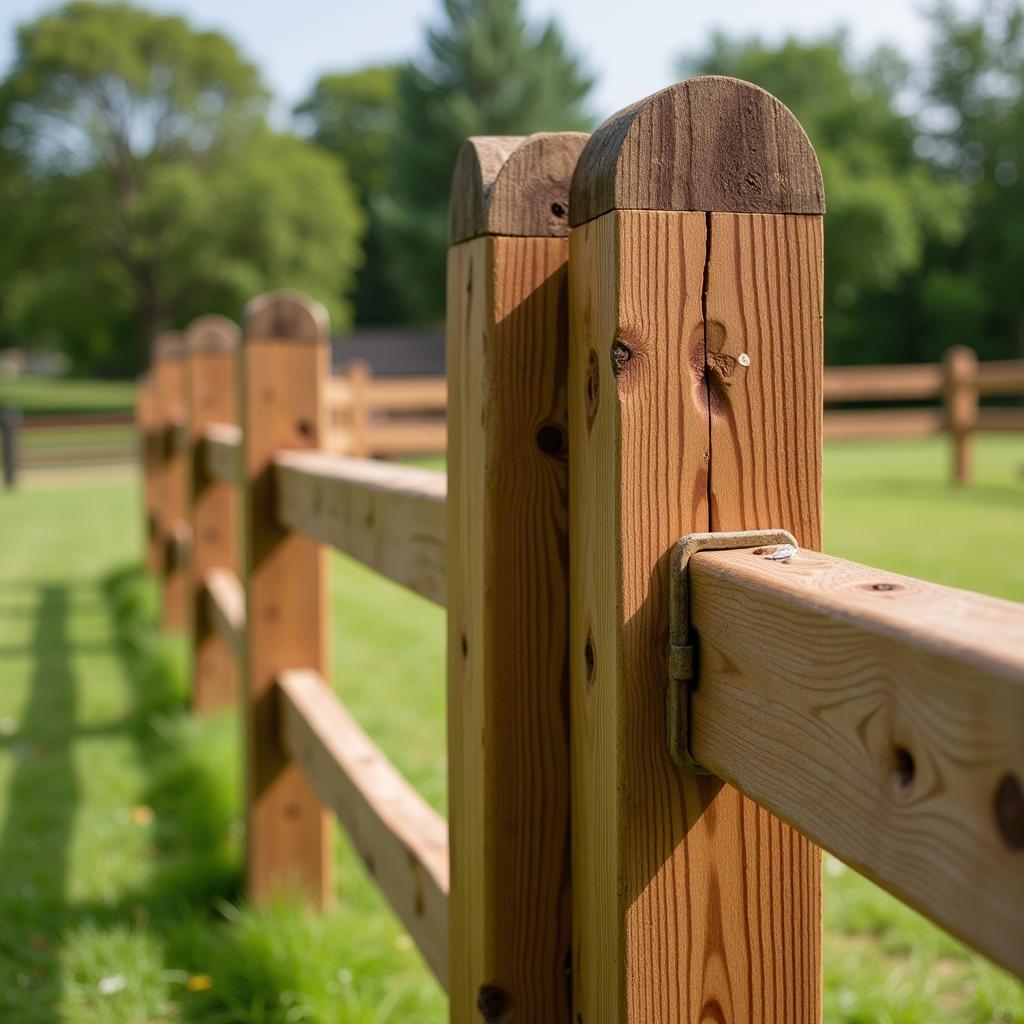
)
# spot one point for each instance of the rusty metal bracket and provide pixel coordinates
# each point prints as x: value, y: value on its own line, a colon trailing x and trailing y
x: 681, y: 647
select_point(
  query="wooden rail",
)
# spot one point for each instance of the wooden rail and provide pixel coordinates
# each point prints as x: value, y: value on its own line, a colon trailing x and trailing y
x: 222, y: 452
x: 403, y: 841
x: 879, y: 715
x: 390, y: 518
x: 226, y: 606
x: 585, y: 873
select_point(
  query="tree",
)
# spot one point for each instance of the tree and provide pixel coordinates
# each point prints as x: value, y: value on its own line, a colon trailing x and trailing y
x: 886, y: 203
x: 153, y: 184
x: 486, y: 73
x: 976, y: 82
x: 355, y: 116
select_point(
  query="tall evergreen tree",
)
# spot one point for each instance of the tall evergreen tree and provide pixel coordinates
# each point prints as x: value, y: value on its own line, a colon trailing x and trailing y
x: 354, y: 115
x: 973, y: 294
x: 486, y: 73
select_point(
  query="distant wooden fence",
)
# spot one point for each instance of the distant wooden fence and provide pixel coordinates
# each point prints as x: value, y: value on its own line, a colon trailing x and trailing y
x: 656, y: 709
x: 956, y: 384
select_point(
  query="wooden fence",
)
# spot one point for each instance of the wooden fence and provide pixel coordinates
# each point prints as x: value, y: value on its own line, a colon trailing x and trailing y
x: 649, y: 736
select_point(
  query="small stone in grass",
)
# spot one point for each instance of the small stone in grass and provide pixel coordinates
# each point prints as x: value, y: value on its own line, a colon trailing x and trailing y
x: 112, y: 984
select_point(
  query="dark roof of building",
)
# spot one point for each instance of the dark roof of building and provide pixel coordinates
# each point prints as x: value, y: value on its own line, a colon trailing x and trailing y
x: 393, y: 351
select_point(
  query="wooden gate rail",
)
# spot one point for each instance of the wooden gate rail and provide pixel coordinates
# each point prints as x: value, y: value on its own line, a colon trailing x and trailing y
x: 225, y: 606
x: 879, y: 715
x: 671, y: 342
x: 390, y: 518
x: 222, y: 452
x: 402, y: 840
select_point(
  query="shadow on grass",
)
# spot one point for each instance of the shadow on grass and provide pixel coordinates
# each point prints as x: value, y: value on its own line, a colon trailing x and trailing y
x: 36, y: 835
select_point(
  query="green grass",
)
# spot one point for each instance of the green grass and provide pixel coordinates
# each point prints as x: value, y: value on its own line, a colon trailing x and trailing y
x: 120, y: 843
x: 54, y: 395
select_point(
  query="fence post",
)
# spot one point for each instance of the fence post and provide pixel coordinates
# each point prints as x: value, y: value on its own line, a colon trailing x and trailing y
x: 284, y: 372
x: 358, y: 378
x: 960, y: 396
x: 695, y: 404
x: 212, y: 386
x: 508, y: 766
x: 172, y: 477
x: 10, y: 424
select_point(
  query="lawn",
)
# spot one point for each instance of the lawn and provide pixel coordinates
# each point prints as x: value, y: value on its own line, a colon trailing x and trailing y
x: 120, y: 855
x: 53, y: 395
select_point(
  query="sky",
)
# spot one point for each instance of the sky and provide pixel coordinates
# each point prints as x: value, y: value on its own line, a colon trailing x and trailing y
x: 631, y: 46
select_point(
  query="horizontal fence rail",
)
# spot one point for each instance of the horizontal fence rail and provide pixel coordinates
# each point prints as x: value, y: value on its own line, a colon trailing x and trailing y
x: 390, y: 518
x: 402, y: 840
x: 226, y: 606
x: 881, y: 716
x: 222, y: 452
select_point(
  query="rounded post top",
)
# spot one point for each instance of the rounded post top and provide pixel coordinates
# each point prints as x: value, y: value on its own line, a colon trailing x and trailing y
x: 712, y: 144
x: 212, y: 333
x: 513, y: 185
x: 286, y: 316
x: 169, y: 345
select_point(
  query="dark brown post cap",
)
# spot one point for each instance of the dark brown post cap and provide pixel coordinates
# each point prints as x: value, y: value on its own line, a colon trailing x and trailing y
x: 286, y: 315
x: 212, y: 333
x: 513, y: 185
x: 707, y: 144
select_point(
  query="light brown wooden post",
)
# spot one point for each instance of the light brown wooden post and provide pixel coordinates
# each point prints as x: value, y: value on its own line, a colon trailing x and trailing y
x: 358, y: 378
x: 212, y: 386
x: 508, y: 765
x: 695, y: 404
x: 146, y: 424
x: 960, y: 364
x: 172, y: 477
x: 283, y: 381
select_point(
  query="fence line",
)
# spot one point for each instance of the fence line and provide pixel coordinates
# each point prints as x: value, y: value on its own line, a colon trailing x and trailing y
x: 876, y: 715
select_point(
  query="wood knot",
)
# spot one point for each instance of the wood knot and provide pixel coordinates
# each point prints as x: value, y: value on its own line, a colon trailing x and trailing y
x: 494, y: 1004
x: 1009, y: 808
x: 551, y: 439
x: 589, y: 658
x: 621, y: 355
x: 593, y: 387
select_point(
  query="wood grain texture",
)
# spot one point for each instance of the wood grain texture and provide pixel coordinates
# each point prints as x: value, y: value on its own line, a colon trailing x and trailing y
x: 225, y: 607
x: 881, y: 716
x: 211, y: 350
x: 222, y: 452
x: 513, y: 185
x: 764, y: 302
x: 709, y: 143
x: 507, y: 630
x: 402, y: 840
x: 692, y: 903
x: 172, y: 474
x: 282, y: 389
x: 390, y: 518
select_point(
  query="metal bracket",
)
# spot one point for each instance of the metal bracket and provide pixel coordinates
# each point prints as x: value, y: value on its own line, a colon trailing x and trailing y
x: 681, y: 653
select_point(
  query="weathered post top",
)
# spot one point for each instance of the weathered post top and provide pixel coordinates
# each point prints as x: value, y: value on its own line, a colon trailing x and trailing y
x: 286, y: 315
x: 168, y: 346
x: 212, y: 333
x: 513, y: 185
x: 711, y: 144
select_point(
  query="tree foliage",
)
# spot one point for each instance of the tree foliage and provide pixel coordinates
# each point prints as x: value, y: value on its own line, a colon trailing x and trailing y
x: 486, y: 73
x: 976, y: 84
x: 355, y: 116
x: 152, y: 188
x: 886, y: 204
